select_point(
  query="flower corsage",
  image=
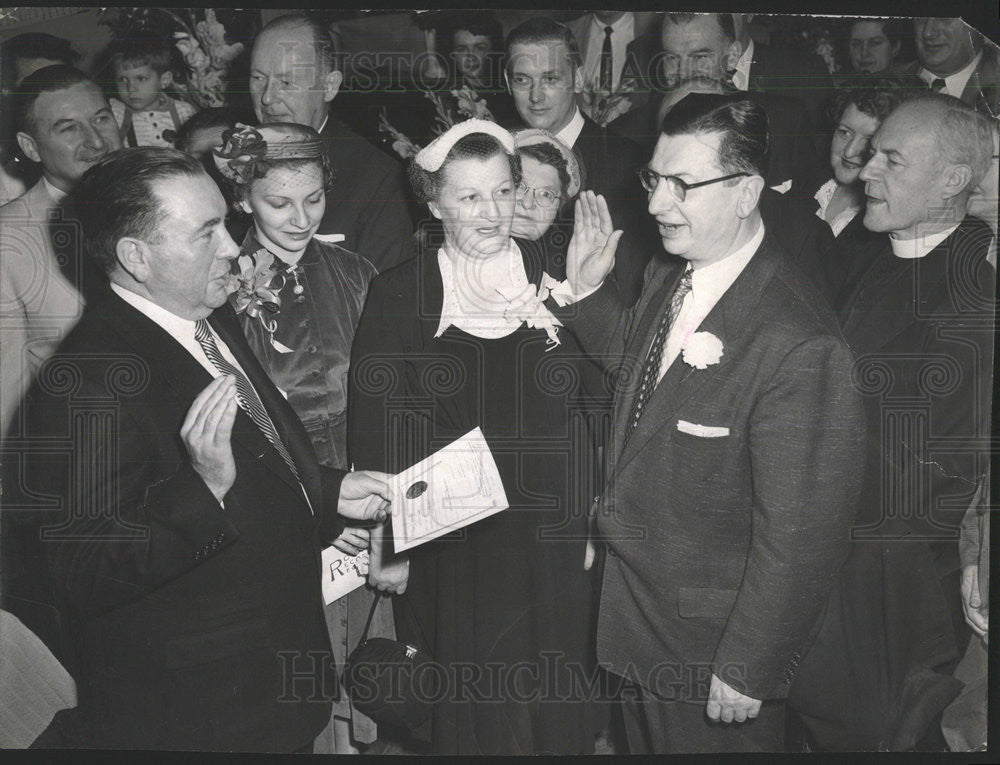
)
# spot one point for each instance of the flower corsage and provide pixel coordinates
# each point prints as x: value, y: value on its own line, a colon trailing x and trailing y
x: 702, y: 350
x: 257, y: 290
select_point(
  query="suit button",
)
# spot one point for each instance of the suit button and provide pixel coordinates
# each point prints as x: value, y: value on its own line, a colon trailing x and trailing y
x: 597, y: 499
x: 612, y: 553
x: 311, y: 349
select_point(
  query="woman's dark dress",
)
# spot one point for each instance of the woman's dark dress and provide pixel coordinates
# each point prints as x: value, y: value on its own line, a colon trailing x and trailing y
x: 504, y: 604
x: 318, y: 326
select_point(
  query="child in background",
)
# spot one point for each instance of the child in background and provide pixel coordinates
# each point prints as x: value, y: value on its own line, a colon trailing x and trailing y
x: 142, y: 69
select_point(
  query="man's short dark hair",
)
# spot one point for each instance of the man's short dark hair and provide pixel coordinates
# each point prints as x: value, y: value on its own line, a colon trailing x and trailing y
x: 323, y: 43
x: 216, y: 117
x: 116, y: 198
x: 724, y: 20
x: 742, y: 124
x: 144, y: 48
x: 540, y: 30
x: 46, y: 80
x: 32, y: 45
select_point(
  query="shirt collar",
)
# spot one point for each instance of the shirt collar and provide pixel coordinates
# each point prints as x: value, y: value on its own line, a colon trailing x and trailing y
x: 741, y: 77
x: 623, y: 26
x: 325, y: 120
x: 56, y: 194
x: 571, y: 132
x: 917, y: 248
x: 955, y: 83
x: 709, y: 283
x: 178, y: 328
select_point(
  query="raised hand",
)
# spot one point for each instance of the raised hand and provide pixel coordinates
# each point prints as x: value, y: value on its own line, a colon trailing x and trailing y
x: 206, y: 431
x: 591, y: 253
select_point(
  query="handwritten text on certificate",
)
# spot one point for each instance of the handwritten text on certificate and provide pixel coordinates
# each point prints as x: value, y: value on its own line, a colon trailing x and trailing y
x: 452, y: 488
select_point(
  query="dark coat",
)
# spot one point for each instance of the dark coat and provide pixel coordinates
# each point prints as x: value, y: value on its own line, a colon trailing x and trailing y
x: 369, y: 200
x: 721, y: 550
x: 879, y: 673
x: 797, y: 73
x: 180, y: 617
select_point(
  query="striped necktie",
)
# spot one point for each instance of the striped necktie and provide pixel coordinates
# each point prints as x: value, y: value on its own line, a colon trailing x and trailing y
x: 245, y: 394
x: 651, y: 370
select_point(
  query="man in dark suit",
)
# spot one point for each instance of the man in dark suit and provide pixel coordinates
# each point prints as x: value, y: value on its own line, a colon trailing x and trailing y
x: 954, y: 59
x: 614, y: 49
x: 697, y: 52
x: 179, y: 538
x: 293, y: 78
x: 544, y: 75
x: 918, y: 314
x: 733, y: 451
x: 786, y: 70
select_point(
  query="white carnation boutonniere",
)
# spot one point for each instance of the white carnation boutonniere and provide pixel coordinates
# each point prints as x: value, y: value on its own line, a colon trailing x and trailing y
x: 702, y: 350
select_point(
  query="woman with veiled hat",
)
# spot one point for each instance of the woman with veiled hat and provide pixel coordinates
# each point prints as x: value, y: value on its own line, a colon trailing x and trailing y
x: 300, y: 296
x: 457, y: 339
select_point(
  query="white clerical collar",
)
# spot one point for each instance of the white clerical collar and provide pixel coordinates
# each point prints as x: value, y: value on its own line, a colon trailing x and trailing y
x: 571, y: 132
x: 55, y: 193
x: 741, y: 77
x: 955, y: 83
x: 917, y: 248
x: 624, y: 26
x: 710, y: 282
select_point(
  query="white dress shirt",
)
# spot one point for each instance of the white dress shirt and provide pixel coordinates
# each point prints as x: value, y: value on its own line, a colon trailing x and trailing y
x: 741, y: 77
x: 708, y: 285
x: 910, y: 249
x: 571, y: 132
x: 955, y: 83
x: 57, y: 195
x: 622, y: 33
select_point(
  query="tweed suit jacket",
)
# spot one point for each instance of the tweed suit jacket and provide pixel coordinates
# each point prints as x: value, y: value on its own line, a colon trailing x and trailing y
x: 722, y: 549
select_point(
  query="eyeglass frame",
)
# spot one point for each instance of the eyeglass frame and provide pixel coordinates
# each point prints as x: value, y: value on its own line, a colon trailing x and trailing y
x: 676, y: 183
x: 555, y: 202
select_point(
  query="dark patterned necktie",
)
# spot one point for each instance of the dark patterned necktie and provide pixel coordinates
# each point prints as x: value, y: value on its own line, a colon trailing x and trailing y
x: 651, y: 370
x: 245, y: 394
x: 606, y: 61
x: 939, y: 84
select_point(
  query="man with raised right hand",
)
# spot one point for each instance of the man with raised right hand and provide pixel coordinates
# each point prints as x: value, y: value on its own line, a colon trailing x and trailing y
x: 180, y: 540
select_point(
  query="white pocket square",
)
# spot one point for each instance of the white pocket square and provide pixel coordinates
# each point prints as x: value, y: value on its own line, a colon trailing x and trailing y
x: 783, y: 188
x: 703, y: 431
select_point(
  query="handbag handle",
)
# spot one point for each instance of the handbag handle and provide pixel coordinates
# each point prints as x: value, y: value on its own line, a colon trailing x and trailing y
x: 371, y: 615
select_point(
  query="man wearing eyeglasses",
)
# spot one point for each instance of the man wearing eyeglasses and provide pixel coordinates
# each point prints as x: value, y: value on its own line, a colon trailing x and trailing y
x: 733, y: 459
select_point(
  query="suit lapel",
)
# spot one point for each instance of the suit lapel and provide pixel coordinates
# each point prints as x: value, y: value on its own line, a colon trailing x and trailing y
x: 249, y: 436
x: 727, y: 321
x: 649, y: 310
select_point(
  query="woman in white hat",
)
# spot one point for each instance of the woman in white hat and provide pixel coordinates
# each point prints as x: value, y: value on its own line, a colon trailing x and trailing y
x: 461, y: 338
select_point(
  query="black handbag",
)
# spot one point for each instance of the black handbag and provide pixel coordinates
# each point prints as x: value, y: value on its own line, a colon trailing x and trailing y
x: 390, y: 681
